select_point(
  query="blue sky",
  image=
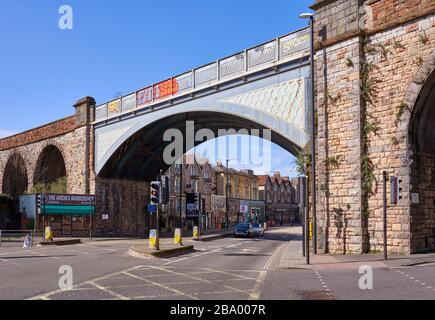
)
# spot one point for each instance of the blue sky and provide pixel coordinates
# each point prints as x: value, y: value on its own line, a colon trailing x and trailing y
x: 120, y: 46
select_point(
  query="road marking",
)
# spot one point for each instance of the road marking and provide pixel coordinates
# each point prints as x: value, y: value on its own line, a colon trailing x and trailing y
x: 231, y: 274
x: 187, y: 275
x: 256, y: 293
x: 104, y: 289
x: 46, y: 295
x: 191, y: 257
x: 177, y: 292
x: 234, y: 245
x: 323, y: 284
x: 412, y: 278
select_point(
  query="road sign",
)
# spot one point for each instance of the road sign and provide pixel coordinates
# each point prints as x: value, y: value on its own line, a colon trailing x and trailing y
x: 192, y: 205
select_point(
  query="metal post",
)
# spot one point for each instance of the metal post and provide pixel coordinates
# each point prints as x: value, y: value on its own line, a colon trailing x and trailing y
x: 313, y: 140
x: 385, y: 215
x: 303, y: 229
x: 227, y: 199
x: 157, y: 227
x: 181, y: 195
x: 90, y: 223
x: 307, y: 226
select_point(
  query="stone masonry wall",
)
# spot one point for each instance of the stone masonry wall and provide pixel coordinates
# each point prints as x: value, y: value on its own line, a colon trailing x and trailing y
x: 71, y: 145
x: 338, y: 108
x: 394, y: 47
x: 70, y: 135
x: 392, y: 75
x: 125, y: 203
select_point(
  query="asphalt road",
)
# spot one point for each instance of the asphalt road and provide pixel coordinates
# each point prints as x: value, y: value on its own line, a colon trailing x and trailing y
x: 224, y: 269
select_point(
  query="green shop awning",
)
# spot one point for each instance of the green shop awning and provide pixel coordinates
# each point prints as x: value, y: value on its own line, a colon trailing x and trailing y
x: 63, y: 210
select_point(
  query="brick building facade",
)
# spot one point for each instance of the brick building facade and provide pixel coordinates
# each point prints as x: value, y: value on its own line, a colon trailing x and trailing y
x: 280, y: 197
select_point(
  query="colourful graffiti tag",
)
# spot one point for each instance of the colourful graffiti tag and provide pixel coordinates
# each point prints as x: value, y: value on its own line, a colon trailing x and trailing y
x: 144, y: 96
x: 165, y: 89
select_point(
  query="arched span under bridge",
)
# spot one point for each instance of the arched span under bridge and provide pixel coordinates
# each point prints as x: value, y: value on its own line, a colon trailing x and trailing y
x: 263, y: 87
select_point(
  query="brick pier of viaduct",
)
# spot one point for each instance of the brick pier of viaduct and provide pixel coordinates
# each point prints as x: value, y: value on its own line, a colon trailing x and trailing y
x: 374, y: 96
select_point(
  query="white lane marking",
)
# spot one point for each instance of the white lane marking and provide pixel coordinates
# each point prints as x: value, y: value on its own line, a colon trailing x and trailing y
x: 323, y: 283
x: 11, y: 263
x: 255, y: 294
x: 191, y: 257
x: 413, y: 278
x: 234, y: 245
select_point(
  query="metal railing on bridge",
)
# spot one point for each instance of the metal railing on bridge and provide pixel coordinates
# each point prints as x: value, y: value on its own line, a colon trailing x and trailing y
x: 286, y: 48
x: 15, y: 236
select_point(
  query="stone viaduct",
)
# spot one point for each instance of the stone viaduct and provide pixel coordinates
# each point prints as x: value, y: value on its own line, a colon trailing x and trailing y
x: 374, y: 99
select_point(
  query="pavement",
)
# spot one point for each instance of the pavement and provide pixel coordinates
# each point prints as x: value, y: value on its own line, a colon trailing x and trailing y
x: 224, y: 269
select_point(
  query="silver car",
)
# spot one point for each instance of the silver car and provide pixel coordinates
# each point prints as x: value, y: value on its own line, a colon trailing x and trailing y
x: 257, y: 229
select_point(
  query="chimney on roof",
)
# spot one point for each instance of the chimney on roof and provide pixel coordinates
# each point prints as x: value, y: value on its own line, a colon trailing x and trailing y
x: 277, y: 174
x: 219, y: 163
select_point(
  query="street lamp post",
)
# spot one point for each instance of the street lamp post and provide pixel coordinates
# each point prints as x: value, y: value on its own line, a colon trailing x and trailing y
x: 313, y: 134
x: 228, y: 194
x: 181, y: 194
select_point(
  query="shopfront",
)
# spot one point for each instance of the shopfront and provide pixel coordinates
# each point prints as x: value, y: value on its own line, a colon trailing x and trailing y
x: 67, y: 215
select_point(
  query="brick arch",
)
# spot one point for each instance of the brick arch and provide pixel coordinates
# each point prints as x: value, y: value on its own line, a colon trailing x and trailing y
x: 15, y: 177
x: 413, y: 92
x: 419, y: 167
x: 50, y: 151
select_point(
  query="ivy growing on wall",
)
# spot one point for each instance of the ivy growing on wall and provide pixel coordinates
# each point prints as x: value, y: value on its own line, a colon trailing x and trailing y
x: 302, y: 163
x: 369, y: 127
x: 57, y: 187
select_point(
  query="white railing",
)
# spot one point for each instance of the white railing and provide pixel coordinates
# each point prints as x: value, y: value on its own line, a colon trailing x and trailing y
x: 15, y: 236
x: 292, y: 46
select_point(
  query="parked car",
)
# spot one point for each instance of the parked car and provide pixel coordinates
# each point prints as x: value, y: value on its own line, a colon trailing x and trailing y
x: 258, y: 229
x: 243, y: 230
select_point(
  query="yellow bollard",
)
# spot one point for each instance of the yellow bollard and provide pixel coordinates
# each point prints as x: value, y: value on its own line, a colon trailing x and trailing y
x: 154, y: 240
x: 195, y: 233
x: 48, y: 234
x: 178, y: 237
x: 311, y: 229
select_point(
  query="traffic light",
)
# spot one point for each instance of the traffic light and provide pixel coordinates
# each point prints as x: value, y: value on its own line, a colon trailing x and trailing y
x: 196, y: 200
x: 38, y: 203
x: 155, y: 192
